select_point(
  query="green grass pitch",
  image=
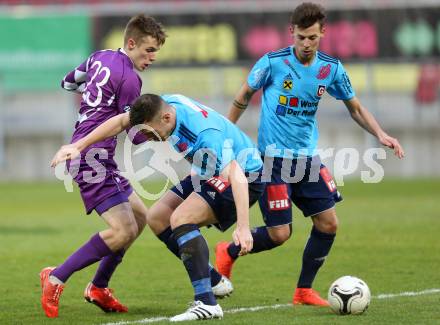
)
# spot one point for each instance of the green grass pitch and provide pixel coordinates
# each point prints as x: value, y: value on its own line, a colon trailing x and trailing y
x: 388, y: 236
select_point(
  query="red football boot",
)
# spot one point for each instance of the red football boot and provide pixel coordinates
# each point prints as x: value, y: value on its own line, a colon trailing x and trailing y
x: 308, y: 296
x: 50, y: 293
x: 104, y: 299
x: 223, y: 262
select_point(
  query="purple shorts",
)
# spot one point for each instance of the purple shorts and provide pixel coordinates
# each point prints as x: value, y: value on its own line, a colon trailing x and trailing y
x: 101, y: 186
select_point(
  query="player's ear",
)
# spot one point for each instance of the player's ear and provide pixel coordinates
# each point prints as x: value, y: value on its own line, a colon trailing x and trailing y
x: 291, y: 30
x: 131, y: 44
x: 322, y: 31
x: 166, y: 117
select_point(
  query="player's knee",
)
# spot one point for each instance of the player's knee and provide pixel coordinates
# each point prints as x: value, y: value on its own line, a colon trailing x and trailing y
x: 279, y: 239
x: 333, y: 227
x: 152, y: 216
x: 132, y: 231
x: 179, y: 218
x: 174, y: 221
x: 279, y: 235
x: 328, y: 226
x: 127, y: 234
x: 157, y: 219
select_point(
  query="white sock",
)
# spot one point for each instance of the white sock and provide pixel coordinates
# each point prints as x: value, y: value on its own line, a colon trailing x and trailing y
x: 55, y: 280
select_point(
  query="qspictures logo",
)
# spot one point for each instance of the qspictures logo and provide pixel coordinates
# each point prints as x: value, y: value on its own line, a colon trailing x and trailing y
x: 91, y: 167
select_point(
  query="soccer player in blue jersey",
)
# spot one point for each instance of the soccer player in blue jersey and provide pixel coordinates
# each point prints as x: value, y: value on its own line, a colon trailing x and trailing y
x: 293, y: 80
x: 219, y: 193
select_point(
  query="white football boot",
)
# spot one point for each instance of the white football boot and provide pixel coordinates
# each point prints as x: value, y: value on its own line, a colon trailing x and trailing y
x: 223, y: 289
x: 198, y: 311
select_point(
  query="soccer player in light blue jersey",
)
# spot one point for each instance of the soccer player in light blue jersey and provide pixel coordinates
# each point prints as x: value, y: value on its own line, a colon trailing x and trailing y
x: 225, y: 183
x: 293, y: 80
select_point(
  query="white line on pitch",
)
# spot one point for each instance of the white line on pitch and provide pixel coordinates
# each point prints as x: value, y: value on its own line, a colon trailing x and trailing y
x: 406, y: 294
x: 256, y: 308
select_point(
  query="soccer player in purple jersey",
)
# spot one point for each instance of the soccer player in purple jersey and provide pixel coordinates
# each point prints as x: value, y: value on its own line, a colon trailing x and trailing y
x: 108, y: 83
x: 292, y: 79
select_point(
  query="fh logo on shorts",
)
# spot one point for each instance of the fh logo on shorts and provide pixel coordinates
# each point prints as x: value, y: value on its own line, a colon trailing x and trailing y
x: 328, y: 179
x: 279, y: 204
x: 277, y: 197
x: 218, y: 183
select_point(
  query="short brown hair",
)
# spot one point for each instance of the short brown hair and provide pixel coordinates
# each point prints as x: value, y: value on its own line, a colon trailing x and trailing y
x: 140, y: 26
x: 307, y: 14
x: 145, y: 108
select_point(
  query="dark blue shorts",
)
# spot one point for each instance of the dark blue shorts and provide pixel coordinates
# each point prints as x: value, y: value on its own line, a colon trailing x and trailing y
x: 217, y: 192
x: 305, y: 181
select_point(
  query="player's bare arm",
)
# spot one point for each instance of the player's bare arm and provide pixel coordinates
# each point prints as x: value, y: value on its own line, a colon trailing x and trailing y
x: 367, y: 121
x: 108, y: 129
x: 242, y: 235
x: 240, y: 103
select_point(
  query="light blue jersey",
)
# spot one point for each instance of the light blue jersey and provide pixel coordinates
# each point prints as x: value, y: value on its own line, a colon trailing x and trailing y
x: 291, y: 94
x: 208, y: 139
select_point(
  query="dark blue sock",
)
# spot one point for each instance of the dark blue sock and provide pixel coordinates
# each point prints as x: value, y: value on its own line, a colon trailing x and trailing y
x: 262, y: 242
x: 168, y: 239
x: 214, y: 275
x: 194, y: 254
x: 315, y: 252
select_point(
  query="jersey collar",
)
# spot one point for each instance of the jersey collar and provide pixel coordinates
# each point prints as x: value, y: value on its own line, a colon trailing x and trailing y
x: 125, y: 53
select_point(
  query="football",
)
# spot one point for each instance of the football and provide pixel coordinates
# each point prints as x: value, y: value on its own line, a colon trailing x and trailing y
x: 349, y: 295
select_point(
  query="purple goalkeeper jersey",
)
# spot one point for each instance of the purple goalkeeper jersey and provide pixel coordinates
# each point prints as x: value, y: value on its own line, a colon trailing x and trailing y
x: 108, y: 84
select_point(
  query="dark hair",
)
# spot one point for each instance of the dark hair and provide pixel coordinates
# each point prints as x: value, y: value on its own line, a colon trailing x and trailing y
x: 140, y: 26
x: 145, y: 108
x: 307, y: 14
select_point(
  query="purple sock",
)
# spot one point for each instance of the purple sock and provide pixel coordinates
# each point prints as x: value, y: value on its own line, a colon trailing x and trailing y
x: 106, y: 268
x: 89, y: 253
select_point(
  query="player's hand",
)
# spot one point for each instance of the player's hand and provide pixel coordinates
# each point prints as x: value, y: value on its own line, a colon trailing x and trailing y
x: 242, y: 236
x: 66, y: 152
x: 392, y: 143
